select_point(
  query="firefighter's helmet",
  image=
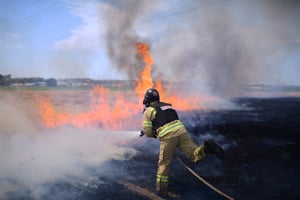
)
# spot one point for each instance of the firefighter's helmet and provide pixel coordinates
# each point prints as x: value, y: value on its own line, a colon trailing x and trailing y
x: 151, y: 95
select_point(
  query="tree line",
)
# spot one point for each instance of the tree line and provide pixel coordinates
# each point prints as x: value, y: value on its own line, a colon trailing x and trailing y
x: 7, y: 80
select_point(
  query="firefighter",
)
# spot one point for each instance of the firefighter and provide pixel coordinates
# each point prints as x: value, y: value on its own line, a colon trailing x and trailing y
x: 161, y: 121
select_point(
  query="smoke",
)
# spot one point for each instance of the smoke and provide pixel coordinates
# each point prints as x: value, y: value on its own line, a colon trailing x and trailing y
x: 121, y: 37
x: 220, y: 45
x: 33, y: 158
x: 226, y: 45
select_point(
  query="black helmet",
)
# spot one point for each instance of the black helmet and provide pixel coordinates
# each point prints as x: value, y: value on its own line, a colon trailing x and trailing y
x: 150, y: 96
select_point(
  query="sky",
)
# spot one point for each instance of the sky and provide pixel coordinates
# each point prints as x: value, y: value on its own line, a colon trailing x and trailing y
x: 220, y: 43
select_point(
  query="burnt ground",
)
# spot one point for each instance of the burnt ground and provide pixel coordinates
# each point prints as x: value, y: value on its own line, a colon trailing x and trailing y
x: 261, y: 143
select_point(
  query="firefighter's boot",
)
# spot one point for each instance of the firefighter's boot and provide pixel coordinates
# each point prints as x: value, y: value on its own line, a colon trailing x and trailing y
x: 211, y: 147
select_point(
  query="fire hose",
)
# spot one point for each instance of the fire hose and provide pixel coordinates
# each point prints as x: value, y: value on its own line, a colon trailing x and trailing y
x: 203, y: 180
x: 198, y: 176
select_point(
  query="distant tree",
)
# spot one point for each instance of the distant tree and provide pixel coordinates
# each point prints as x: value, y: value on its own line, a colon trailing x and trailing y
x: 51, y: 82
x: 38, y: 79
x: 8, y: 76
x: 1, y: 79
x: 5, y: 80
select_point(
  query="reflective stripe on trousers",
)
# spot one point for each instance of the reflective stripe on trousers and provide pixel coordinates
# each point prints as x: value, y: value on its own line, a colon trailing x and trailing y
x: 162, y: 183
x: 161, y: 178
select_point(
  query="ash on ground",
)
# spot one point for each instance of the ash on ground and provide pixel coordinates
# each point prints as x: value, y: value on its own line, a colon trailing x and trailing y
x: 261, y: 143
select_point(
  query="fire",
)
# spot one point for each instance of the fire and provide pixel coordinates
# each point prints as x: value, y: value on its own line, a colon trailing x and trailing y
x: 145, y: 81
x: 116, y: 111
x: 101, y: 113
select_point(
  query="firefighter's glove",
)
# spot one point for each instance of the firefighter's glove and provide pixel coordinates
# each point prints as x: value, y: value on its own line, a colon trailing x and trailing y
x: 142, y: 133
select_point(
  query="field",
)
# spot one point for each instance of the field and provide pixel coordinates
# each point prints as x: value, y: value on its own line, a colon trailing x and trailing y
x: 260, y: 138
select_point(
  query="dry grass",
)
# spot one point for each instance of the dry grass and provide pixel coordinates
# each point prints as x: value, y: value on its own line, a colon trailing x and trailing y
x: 72, y: 101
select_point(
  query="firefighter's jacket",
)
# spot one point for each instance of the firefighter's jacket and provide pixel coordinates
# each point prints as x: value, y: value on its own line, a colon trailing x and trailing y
x: 160, y: 119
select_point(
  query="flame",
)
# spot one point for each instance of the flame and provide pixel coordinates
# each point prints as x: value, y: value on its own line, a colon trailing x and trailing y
x: 145, y: 81
x: 101, y: 113
x: 113, y: 111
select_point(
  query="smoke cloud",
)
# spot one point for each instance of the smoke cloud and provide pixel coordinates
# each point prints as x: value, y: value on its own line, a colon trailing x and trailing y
x: 220, y: 45
x: 226, y: 45
x: 121, y: 37
x: 32, y: 158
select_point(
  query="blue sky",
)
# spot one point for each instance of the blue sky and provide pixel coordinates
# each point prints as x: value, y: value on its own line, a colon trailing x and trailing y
x: 67, y: 38
x: 38, y: 38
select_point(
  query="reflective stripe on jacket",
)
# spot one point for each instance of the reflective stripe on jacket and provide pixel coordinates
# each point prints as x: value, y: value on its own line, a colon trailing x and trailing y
x: 169, y: 128
x: 158, y: 126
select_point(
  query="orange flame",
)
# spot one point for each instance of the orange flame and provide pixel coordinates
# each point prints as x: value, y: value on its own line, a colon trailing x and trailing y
x: 145, y: 81
x: 101, y: 112
x: 111, y: 111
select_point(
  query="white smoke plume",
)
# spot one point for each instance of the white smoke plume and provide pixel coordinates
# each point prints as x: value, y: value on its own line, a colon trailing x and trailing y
x: 33, y: 157
x: 120, y: 19
x: 226, y: 45
x: 220, y: 45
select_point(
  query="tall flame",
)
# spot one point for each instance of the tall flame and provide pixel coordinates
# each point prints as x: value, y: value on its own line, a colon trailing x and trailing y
x: 114, y: 111
x: 144, y: 82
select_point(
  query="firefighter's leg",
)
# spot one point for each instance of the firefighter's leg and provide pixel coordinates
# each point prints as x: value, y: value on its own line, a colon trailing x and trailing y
x: 190, y: 149
x: 166, y: 154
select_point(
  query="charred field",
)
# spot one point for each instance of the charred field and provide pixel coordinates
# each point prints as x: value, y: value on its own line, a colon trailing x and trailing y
x: 261, y: 144
x: 261, y: 141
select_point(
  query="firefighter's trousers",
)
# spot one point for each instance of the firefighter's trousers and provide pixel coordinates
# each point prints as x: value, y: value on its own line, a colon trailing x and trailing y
x: 168, y: 145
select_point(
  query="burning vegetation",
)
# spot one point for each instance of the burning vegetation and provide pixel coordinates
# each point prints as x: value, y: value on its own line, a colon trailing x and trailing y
x: 113, y: 111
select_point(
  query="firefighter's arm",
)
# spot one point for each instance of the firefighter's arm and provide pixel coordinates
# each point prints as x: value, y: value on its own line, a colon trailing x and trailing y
x: 147, y: 122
